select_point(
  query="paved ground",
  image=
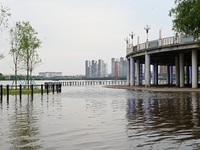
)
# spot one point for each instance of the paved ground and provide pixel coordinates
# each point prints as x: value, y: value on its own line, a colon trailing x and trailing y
x: 159, y: 88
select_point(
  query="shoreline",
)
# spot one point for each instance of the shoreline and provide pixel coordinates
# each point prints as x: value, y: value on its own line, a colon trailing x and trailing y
x: 153, y: 88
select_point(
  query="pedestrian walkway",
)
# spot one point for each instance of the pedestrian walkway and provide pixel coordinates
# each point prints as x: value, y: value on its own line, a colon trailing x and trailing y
x: 158, y: 88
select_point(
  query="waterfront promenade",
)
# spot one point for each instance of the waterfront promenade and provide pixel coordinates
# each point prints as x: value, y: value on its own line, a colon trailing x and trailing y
x: 178, y: 52
x: 156, y: 88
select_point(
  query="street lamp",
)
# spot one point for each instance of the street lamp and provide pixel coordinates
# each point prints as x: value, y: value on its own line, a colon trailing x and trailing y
x: 132, y: 35
x: 147, y: 28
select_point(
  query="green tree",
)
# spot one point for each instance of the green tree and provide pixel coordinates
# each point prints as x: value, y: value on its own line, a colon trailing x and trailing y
x: 186, y: 15
x: 34, y: 61
x: 15, y: 49
x: 4, y: 16
x: 1, y: 76
x: 29, y: 44
x: 24, y: 45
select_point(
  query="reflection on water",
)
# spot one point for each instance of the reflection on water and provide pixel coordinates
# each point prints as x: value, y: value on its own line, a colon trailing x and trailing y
x: 156, y: 123
x: 23, y: 128
x: 94, y: 117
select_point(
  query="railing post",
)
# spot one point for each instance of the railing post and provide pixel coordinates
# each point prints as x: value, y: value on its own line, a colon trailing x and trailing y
x: 32, y: 90
x: 60, y: 88
x: 1, y: 88
x: 47, y: 88
x: 41, y: 89
x: 53, y: 87
x: 57, y: 88
x: 20, y: 91
x: 7, y: 88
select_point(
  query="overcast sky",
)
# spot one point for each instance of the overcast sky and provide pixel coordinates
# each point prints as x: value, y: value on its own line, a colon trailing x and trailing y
x: 74, y: 31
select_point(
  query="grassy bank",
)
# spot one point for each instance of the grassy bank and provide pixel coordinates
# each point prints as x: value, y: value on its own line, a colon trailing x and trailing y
x: 24, y: 91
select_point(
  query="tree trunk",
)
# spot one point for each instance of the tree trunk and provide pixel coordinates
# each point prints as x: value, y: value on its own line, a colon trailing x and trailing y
x: 15, y: 76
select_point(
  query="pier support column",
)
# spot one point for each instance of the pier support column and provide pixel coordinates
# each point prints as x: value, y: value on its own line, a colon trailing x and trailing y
x: 153, y: 74
x: 181, y: 69
x: 147, y: 70
x: 187, y: 73
x: 156, y: 74
x: 177, y: 71
x: 128, y: 72
x: 168, y: 74
x: 171, y: 74
x: 194, y: 69
x: 132, y: 71
x: 190, y: 74
x: 138, y: 71
x: 141, y: 74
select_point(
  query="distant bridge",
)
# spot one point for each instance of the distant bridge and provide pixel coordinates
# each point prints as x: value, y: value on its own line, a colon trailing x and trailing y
x: 179, y: 51
x: 88, y: 82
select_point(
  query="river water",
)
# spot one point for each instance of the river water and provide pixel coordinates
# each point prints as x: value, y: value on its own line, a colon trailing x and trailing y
x: 93, y: 117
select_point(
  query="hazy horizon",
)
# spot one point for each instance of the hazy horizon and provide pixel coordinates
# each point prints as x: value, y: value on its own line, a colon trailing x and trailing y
x: 75, y: 31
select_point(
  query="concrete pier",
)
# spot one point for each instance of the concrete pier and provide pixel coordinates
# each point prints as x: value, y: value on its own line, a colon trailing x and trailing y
x: 194, y: 69
x: 132, y: 71
x: 147, y: 70
x: 138, y: 71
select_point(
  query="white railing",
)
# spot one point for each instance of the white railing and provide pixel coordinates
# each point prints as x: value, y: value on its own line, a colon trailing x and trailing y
x: 129, y: 50
x: 142, y: 46
x: 160, y: 42
x: 168, y: 41
x: 152, y: 44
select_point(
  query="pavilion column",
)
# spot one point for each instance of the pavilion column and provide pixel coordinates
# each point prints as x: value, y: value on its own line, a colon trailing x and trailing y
x: 171, y: 74
x: 177, y: 71
x: 141, y: 74
x: 190, y: 74
x: 156, y: 74
x: 153, y: 74
x: 128, y: 72
x: 194, y: 69
x: 181, y: 69
x: 138, y: 71
x: 187, y: 73
x: 168, y: 74
x: 147, y: 70
x: 132, y: 71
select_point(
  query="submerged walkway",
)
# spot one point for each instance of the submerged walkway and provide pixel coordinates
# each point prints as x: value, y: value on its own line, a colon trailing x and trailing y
x: 157, y: 88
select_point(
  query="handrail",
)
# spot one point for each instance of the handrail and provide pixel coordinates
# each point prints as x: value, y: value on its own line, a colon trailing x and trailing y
x: 160, y: 42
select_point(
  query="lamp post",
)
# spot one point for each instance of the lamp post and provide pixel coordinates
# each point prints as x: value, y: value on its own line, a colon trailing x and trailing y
x: 132, y: 35
x: 147, y: 28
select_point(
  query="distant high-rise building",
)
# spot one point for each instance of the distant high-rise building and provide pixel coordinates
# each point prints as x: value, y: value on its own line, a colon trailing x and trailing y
x: 112, y: 66
x: 94, y: 73
x: 122, y: 67
x: 96, y: 69
x: 100, y: 68
x: 105, y: 70
x: 87, y: 68
x: 163, y: 69
x: 116, y: 69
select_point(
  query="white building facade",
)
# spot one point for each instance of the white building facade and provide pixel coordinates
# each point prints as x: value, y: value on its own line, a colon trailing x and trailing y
x: 50, y: 74
x: 96, y: 69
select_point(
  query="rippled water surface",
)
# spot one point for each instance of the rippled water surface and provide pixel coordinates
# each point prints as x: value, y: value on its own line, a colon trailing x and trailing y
x: 94, y: 117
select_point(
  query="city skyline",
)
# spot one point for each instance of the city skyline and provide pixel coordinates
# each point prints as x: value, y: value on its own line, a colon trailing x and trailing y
x: 98, y: 68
